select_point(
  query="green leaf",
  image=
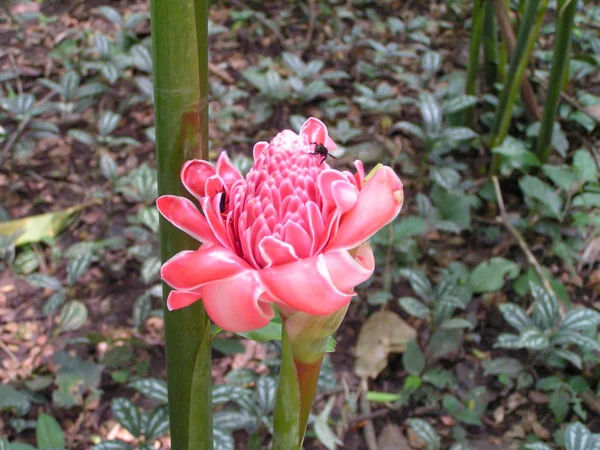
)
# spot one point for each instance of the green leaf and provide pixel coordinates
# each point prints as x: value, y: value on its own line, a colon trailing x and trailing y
x: 440, y: 378
x: 78, y: 265
x: 410, y: 226
x: 413, y: 358
x: 14, y: 400
x: 559, y: 404
x: 456, y: 323
x: 533, y: 339
x: 45, y: 281
x: 224, y: 393
x: 419, y: 283
x: 414, y: 307
x: 443, y: 342
x: 502, y: 366
x: 322, y: 429
x: 426, y: 432
x: 515, y: 316
x: 458, y: 104
x: 54, y: 302
x: 108, y: 167
x: 20, y: 446
x: 111, y: 14
x: 151, y: 388
x: 228, y: 346
x: 537, y: 446
x: 515, y: 156
x: 266, y: 389
x: 585, y: 166
x: 141, y: 310
x: 127, y: 414
x: 150, y: 269
x: 546, y: 309
x: 38, y: 228
x: 286, y: 416
x: 229, y: 420
x: 72, y: 316
x: 83, y: 136
x: 578, y: 437
x: 271, y: 331
x: 489, y: 276
x: 562, y: 176
x: 48, y: 432
x: 223, y: 440
x: 570, y: 356
x: 580, y: 319
x: 446, y: 177
x: 26, y: 262
x: 410, y: 128
x: 535, y: 189
x: 576, y: 338
x: 108, y: 122
x: 158, y: 423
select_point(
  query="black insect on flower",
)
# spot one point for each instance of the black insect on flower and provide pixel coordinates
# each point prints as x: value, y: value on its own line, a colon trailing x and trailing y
x: 321, y: 150
x: 223, y: 204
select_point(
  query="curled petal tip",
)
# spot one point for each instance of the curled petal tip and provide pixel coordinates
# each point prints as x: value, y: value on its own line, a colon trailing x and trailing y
x: 399, y: 196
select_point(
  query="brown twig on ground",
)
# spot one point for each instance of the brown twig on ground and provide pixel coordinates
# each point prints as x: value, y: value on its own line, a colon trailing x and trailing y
x: 365, y: 410
x: 571, y: 101
x: 504, y: 220
x: 387, y: 271
x: 591, y: 401
x: 313, y: 11
x: 508, y: 34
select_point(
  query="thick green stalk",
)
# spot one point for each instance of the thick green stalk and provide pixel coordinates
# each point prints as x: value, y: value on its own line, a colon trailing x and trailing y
x: 180, y: 49
x: 473, y: 64
x: 528, y: 32
x: 304, y: 344
x: 558, y: 74
x: 490, y: 45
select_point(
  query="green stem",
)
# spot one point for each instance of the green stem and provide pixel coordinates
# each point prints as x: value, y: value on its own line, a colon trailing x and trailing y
x: 180, y: 48
x: 490, y: 45
x: 558, y: 74
x: 304, y: 343
x: 473, y: 64
x: 308, y: 378
x: 528, y: 32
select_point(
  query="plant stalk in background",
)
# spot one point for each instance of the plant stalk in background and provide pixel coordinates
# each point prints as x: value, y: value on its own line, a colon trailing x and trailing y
x: 473, y: 65
x: 490, y: 46
x: 528, y: 32
x: 558, y: 75
x: 180, y: 58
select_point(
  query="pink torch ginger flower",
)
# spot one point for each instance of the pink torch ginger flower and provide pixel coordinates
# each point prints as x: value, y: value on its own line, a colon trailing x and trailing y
x: 281, y: 235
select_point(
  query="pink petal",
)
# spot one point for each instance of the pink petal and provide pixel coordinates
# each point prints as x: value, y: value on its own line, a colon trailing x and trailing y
x: 306, y: 285
x: 235, y: 304
x: 227, y: 171
x: 180, y: 299
x: 258, y: 149
x: 316, y: 227
x: 334, y: 188
x: 190, y: 270
x: 347, y: 272
x: 378, y: 204
x: 194, y: 174
x: 315, y: 131
x: 215, y: 220
x: 182, y: 213
x: 275, y: 252
x: 297, y: 237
